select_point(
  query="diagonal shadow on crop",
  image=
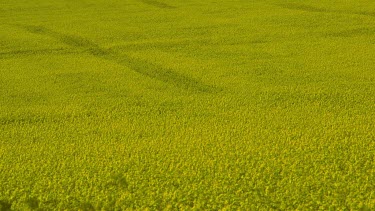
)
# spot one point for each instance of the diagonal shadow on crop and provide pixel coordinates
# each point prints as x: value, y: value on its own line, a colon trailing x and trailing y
x: 145, y: 68
x: 308, y: 8
x: 158, y: 4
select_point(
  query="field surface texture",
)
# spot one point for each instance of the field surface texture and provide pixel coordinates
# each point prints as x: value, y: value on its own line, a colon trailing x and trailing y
x: 187, y: 104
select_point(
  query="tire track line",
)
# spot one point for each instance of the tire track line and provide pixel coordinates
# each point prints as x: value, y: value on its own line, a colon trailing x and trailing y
x: 142, y: 67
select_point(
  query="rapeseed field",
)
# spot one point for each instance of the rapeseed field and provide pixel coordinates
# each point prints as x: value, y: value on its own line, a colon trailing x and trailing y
x: 187, y: 105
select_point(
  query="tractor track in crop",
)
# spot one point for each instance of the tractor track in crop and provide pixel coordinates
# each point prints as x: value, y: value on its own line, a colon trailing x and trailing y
x: 140, y: 66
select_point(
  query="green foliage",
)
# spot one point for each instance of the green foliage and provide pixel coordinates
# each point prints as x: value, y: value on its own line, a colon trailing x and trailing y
x: 191, y: 105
